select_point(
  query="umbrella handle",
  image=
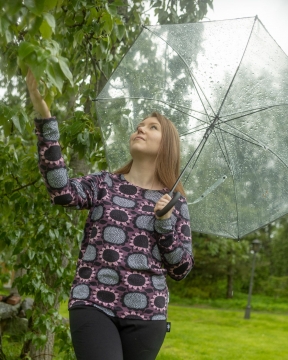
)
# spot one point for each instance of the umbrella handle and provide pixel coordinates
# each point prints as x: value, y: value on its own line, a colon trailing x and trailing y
x: 169, y: 206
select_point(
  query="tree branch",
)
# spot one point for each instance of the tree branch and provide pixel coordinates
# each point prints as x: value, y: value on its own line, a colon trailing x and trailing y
x: 22, y: 187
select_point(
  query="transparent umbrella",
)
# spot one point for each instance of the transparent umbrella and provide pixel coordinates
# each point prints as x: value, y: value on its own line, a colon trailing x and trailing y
x: 225, y: 86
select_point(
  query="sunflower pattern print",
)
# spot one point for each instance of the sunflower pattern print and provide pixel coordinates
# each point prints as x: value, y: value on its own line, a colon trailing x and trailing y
x: 126, y: 252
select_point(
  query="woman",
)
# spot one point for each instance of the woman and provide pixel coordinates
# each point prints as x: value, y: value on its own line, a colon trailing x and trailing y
x: 119, y: 296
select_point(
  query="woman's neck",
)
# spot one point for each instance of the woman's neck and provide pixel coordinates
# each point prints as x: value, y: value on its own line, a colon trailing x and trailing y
x: 142, y: 174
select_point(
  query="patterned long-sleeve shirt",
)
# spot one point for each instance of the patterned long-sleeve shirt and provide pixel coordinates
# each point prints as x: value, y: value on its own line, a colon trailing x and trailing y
x: 126, y: 252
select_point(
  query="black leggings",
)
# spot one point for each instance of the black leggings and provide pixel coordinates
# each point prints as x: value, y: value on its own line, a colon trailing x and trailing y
x: 97, y: 336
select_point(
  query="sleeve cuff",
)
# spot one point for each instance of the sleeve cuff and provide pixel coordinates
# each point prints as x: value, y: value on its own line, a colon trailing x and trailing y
x: 48, y: 128
x: 163, y: 226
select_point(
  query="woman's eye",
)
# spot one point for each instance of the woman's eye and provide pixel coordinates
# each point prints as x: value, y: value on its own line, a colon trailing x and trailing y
x: 154, y: 127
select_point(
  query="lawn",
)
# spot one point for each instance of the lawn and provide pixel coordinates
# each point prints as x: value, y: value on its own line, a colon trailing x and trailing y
x: 213, y: 334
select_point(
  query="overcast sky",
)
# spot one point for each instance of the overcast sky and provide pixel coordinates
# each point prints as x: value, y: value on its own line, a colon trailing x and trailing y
x: 272, y: 13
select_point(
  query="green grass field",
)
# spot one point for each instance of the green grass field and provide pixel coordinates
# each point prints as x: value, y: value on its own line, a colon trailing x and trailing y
x: 214, y: 334
x: 210, y: 334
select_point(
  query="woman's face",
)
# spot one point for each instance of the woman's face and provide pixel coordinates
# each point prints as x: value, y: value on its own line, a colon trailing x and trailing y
x: 145, y: 141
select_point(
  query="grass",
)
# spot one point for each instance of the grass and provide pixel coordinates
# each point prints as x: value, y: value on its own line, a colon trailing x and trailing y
x: 214, y: 334
x: 239, y: 301
x: 203, y: 332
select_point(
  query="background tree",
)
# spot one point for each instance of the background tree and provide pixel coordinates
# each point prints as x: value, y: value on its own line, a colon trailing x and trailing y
x: 71, y: 46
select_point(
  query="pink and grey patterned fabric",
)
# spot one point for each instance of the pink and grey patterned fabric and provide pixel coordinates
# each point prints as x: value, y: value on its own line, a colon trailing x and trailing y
x: 126, y: 252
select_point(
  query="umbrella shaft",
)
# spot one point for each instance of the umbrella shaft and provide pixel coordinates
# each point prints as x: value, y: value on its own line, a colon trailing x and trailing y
x: 197, y: 150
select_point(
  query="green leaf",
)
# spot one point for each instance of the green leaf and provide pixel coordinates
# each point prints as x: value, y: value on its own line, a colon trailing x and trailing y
x: 8, y: 187
x: 55, y: 75
x: 14, y: 8
x: 120, y: 31
x: 25, y: 49
x: 28, y: 313
x: 45, y: 29
x: 8, y: 36
x: 30, y: 254
x: 14, y: 197
x: 65, y: 69
x: 50, y: 299
x: 112, y: 10
x: 49, y: 96
x: 100, y: 55
x: 51, y: 234
x: 50, y: 21
x: 78, y: 38
x: 35, y: 6
x: 50, y: 4
x: 104, y: 45
x: 4, y: 24
x: 16, y: 122
x: 36, y: 67
x: 42, y: 55
x: 93, y: 15
x: 35, y: 25
x: 107, y: 22
x: 52, y: 46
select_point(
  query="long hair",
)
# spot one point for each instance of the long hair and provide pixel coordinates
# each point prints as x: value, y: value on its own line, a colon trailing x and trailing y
x: 167, y: 168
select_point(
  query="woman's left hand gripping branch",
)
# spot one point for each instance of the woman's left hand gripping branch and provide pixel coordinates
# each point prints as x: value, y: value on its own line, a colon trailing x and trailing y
x: 161, y: 203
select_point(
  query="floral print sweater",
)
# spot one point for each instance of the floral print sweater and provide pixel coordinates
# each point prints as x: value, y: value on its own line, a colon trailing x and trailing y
x: 126, y: 252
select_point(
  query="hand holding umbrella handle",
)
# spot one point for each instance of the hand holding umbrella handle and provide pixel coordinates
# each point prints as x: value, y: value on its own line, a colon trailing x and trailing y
x: 38, y: 102
x: 166, y: 208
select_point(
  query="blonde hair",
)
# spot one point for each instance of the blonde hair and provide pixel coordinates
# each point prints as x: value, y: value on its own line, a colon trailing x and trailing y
x: 168, y: 159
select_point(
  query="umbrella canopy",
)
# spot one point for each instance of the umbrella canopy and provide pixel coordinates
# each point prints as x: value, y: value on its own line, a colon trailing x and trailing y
x: 225, y: 86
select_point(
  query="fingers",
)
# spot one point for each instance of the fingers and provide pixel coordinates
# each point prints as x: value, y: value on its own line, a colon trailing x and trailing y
x: 38, y: 103
x: 31, y: 81
x: 161, y: 203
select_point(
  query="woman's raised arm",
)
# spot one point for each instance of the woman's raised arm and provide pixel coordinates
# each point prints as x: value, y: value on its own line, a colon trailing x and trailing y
x: 39, y: 104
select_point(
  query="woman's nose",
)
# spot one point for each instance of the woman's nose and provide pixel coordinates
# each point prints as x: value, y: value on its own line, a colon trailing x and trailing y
x: 140, y: 129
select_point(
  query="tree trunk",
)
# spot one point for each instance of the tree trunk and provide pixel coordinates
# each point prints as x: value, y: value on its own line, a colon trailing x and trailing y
x: 18, y: 273
x: 2, y: 355
x: 45, y: 353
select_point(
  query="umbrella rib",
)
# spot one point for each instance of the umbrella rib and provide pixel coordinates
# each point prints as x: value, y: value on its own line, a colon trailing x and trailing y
x: 195, y: 130
x: 239, y: 137
x: 226, y: 131
x: 236, y: 72
x: 253, y: 141
x: 264, y: 224
x: 145, y: 98
x: 238, y: 117
x: 252, y: 111
x: 226, y: 157
x: 193, y: 79
x: 202, y: 146
x: 173, y: 106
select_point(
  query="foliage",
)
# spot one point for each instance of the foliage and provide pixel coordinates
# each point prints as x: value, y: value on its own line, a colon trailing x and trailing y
x: 215, y: 260
x: 279, y: 249
x: 71, y: 47
x: 276, y: 286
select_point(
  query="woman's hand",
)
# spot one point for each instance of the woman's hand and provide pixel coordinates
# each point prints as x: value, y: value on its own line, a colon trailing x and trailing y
x: 39, y: 104
x: 161, y: 203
